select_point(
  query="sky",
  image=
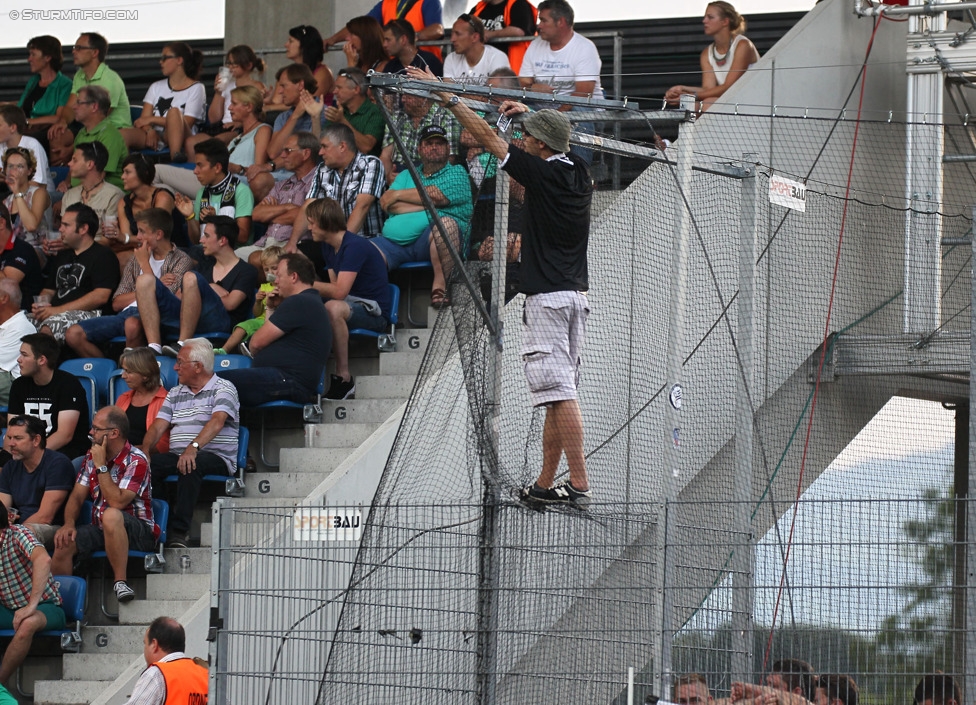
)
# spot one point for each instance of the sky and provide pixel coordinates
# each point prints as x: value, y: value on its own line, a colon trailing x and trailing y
x: 149, y: 20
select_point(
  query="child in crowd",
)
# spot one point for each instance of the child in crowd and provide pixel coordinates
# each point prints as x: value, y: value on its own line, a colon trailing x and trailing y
x: 265, y: 302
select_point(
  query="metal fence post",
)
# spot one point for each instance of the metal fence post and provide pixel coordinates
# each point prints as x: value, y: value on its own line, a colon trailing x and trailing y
x: 661, y: 651
x: 970, y: 615
x: 219, y: 586
x: 743, y: 547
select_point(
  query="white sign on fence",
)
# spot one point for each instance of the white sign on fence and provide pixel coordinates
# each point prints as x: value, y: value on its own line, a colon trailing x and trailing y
x: 787, y: 193
x: 324, y: 524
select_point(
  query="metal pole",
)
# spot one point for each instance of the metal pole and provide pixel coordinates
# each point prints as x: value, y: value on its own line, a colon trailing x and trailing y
x: 630, y: 685
x: 618, y: 87
x: 672, y: 407
x: 968, y: 683
x: 743, y: 559
x: 487, y: 642
x: 220, y: 561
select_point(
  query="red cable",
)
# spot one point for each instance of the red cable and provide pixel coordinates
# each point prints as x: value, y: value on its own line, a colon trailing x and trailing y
x: 823, y: 347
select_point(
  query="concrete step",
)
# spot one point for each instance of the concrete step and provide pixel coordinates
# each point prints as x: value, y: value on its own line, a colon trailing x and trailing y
x: 96, y: 667
x: 357, y: 366
x: 401, y: 363
x: 384, y: 386
x: 198, y: 562
x: 112, y: 639
x: 412, y: 338
x: 65, y: 692
x: 144, y: 611
x: 175, y: 587
x: 348, y: 435
x: 369, y: 410
x: 313, y: 460
x: 274, y: 485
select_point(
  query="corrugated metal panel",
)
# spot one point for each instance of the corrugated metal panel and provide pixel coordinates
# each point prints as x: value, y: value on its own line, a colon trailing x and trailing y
x: 138, y: 64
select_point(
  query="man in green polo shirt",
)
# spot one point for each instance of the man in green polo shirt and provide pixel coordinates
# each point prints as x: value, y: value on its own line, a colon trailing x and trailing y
x: 357, y: 112
x: 91, y: 110
x: 89, y: 56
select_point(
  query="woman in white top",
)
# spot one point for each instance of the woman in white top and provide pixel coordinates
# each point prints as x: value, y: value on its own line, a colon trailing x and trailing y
x: 173, y: 106
x: 724, y: 60
x: 29, y: 204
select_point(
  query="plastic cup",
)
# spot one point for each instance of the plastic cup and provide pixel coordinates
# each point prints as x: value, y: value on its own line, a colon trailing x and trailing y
x: 42, y: 299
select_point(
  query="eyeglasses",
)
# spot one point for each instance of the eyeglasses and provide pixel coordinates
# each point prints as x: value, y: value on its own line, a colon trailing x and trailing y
x: 474, y: 22
x: 85, y: 102
x: 289, y: 150
x: 107, y: 428
x: 83, y: 47
x: 16, y: 166
x: 167, y: 57
x: 180, y: 363
x: 231, y: 65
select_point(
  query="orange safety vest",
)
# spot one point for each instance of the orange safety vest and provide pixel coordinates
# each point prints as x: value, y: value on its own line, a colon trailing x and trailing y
x: 516, y: 50
x: 186, y: 682
x: 415, y: 16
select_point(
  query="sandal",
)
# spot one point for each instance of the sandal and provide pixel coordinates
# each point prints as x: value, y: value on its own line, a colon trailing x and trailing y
x: 439, y: 299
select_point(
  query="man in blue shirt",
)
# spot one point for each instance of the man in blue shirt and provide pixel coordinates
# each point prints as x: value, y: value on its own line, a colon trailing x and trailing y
x: 354, y: 282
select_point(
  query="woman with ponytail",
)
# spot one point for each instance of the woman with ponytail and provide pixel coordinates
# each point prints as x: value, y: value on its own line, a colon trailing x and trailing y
x: 173, y: 106
x: 725, y: 60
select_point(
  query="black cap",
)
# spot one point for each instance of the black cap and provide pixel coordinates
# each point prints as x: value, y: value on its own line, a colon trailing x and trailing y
x: 433, y: 131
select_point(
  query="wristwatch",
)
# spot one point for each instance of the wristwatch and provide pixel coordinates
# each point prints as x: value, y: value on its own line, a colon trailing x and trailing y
x: 20, y: 194
x: 102, y: 469
x: 196, y: 446
x: 452, y: 101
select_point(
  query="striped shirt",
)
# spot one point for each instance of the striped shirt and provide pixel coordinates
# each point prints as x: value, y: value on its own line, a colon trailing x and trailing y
x: 364, y: 175
x: 188, y: 413
x: 130, y: 471
x: 16, y: 569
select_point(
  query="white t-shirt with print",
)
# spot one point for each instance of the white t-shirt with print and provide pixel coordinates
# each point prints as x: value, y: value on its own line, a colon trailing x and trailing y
x: 577, y: 61
x: 191, y: 101
x: 456, y: 66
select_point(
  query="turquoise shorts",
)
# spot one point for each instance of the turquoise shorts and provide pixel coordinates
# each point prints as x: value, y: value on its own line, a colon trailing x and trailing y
x: 53, y: 613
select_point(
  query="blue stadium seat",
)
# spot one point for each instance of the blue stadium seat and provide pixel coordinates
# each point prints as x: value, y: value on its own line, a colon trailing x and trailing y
x: 284, y: 404
x: 152, y: 561
x: 74, y: 595
x: 386, y: 342
x: 231, y: 362
x: 410, y: 268
x: 60, y: 173
x: 116, y: 386
x: 98, y: 368
x: 167, y: 371
x: 233, y: 485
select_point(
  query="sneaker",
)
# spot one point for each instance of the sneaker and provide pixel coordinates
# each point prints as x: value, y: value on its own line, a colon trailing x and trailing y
x: 178, y: 541
x: 244, y: 351
x: 338, y: 389
x: 561, y: 493
x: 178, y: 158
x: 123, y: 593
x: 172, y: 350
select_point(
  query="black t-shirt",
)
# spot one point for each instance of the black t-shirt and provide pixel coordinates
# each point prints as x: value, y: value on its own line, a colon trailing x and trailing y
x: 422, y: 59
x: 32, y: 98
x: 23, y: 257
x: 558, y: 192
x: 494, y: 18
x: 63, y: 393
x: 73, y: 275
x: 243, y: 277
x: 137, y: 423
x: 301, y: 352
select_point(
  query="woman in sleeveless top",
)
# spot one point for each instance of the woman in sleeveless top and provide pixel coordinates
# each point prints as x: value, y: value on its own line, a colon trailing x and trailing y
x: 28, y: 203
x: 145, y: 397
x: 723, y: 61
x: 137, y: 179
